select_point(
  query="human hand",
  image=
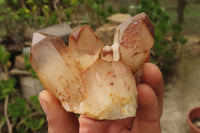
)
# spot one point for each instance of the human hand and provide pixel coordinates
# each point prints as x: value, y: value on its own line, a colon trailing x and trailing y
x: 147, y: 120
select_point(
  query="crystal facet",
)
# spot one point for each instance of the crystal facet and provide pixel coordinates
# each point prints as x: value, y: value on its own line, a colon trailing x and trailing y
x: 89, y: 78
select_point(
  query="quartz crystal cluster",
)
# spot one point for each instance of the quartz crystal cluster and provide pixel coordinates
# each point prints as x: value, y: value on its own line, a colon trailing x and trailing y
x: 90, y: 78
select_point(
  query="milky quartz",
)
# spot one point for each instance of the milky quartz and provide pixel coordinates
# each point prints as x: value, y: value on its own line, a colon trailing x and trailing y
x: 90, y: 78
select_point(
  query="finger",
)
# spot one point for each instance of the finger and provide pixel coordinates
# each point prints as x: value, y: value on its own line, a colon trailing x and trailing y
x: 58, y: 119
x: 147, y: 118
x: 153, y: 77
x: 148, y: 58
x: 88, y: 125
x: 148, y: 108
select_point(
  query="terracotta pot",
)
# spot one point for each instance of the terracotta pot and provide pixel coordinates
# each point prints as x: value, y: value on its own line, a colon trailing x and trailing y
x: 192, y: 114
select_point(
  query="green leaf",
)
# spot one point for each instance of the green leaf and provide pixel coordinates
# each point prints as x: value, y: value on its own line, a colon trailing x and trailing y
x: 8, y: 10
x: 53, y: 18
x: 182, y: 40
x: 46, y: 1
x: 34, y: 123
x: 110, y: 9
x: 68, y: 12
x: 66, y: 2
x: 152, y: 61
x: 7, y: 91
x: 89, y: 2
x: 2, y: 49
x: 14, y: 1
x: 7, y: 87
x: 95, y: 5
x: 18, y: 109
x: 22, y: 129
x: 175, y: 38
x: 28, y: 66
x: 132, y: 7
x: 34, y: 99
x: 177, y: 27
x: 74, y: 2
x: 5, y: 57
x: 11, y: 83
x: 123, y: 9
x: 24, y: 13
x: 2, y: 2
x: 46, y: 10
x: 2, y: 120
x: 29, y: 2
x: 16, y: 17
x: 35, y: 103
x: 2, y: 18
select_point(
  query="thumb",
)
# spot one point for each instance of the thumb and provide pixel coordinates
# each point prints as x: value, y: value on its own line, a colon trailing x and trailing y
x: 58, y: 119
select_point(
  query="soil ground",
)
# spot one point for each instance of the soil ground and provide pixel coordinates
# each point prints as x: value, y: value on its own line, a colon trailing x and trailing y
x: 183, y: 93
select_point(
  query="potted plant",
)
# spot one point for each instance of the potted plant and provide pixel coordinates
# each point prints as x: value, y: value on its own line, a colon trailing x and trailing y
x: 193, y: 120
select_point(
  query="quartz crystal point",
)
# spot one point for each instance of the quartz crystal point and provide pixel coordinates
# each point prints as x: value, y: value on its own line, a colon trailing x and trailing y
x: 56, y: 69
x: 132, y: 43
x: 86, y: 47
x: 135, y: 38
x: 89, y: 78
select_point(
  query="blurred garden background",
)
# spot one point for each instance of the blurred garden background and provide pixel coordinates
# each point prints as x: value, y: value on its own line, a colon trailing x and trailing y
x: 176, y: 51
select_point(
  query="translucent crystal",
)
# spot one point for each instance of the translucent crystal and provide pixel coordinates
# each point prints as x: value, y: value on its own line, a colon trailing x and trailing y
x: 89, y: 78
x: 56, y: 69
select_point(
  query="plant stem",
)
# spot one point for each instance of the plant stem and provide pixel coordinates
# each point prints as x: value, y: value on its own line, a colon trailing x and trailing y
x: 19, y: 123
x: 6, y: 115
x: 34, y: 114
x: 6, y: 72
x: 1, y: 125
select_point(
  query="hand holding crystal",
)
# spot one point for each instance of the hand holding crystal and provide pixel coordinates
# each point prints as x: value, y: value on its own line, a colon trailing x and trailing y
x: 147, y: 120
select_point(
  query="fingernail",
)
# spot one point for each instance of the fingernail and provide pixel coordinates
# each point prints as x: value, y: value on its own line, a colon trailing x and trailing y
x: 43, y: 101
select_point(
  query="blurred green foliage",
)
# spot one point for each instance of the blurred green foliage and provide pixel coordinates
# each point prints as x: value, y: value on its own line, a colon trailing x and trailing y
x: 15, y: 15
x: 7, y: 87
x: 25, y: 116
x: 5, y: 56
x: 196, y: 1
x: 96, y: 12
x: 165, y: 51
x: 123, y: 9
x: 28, y: 66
